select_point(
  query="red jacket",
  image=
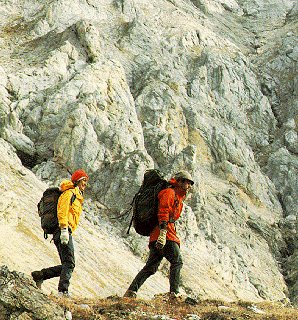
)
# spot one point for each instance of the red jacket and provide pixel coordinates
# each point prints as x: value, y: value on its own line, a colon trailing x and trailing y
x: 170, y: 204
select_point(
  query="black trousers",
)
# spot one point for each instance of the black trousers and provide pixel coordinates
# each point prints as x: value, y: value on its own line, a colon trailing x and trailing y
x: 171, y: 252
x: 65, y: 269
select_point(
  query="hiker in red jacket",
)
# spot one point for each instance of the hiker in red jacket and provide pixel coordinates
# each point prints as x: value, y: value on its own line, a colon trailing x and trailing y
x: 68, y: 213
x: 164, y: 242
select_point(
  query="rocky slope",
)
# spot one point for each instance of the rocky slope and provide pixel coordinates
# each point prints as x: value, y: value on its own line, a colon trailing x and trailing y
x: 20, y: 299
x: 119, y: 86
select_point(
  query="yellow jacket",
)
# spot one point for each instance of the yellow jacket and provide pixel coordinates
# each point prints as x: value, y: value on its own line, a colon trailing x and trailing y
x: 69, y: 215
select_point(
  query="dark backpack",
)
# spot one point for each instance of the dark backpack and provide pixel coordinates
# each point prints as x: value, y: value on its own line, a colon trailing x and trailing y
x: 47, y: 210
x: 145, y: 202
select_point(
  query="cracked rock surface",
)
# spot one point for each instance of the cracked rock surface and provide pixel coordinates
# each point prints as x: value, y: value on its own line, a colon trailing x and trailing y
x: 116, y: 87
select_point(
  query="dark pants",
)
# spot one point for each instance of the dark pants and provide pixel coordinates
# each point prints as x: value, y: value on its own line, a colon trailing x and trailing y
x: 171, y: 252
x: 67, y: 258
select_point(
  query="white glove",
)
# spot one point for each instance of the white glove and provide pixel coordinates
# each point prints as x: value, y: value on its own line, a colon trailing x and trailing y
x: 162, y: 239
x: 64, y: 236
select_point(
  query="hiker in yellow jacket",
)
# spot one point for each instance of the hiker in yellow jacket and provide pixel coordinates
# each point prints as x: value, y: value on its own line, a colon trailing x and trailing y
x: 69, y: 210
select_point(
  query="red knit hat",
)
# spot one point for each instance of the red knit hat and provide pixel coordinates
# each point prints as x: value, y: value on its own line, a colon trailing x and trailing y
x: 78, y: 175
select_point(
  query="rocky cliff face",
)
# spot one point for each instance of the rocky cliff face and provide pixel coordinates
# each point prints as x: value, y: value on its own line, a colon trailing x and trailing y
x: 119, y: 86
x: 20, y: 300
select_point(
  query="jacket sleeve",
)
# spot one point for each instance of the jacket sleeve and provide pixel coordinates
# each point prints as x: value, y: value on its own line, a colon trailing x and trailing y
x: 165, y: 205
x: 63, y: 208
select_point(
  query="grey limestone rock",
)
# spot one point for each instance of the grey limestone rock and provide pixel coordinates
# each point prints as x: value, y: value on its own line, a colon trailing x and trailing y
x: 20, y: 298
x: 117, y: 87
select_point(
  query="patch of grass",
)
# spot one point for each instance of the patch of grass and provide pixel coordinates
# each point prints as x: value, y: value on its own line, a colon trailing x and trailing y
x: 137, y: 309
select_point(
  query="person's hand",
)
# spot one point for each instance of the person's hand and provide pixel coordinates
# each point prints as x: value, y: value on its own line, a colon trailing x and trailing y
x: 162, y: 239
x: 64, y: 236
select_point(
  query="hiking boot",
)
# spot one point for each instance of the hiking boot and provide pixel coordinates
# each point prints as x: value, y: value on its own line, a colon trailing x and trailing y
x: 38, y: 278
x: 175, y: 297
x: 64, y: 294
x: 192, y: 301
x: 130, y: 294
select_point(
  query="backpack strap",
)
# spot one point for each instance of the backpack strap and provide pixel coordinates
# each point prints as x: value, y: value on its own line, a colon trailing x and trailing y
x: 130, y: 224
x: 73, y: 198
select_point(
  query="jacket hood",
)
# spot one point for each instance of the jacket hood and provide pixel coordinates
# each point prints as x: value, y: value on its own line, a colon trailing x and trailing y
x: 173, y: 182
x: 66, y: 184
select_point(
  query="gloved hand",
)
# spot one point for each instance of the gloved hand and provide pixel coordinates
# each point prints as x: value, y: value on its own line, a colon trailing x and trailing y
x: 162, y: 239
x: 64, y: 236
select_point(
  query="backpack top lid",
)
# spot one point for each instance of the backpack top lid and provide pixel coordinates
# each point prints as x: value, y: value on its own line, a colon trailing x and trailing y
x: 152, y: 177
